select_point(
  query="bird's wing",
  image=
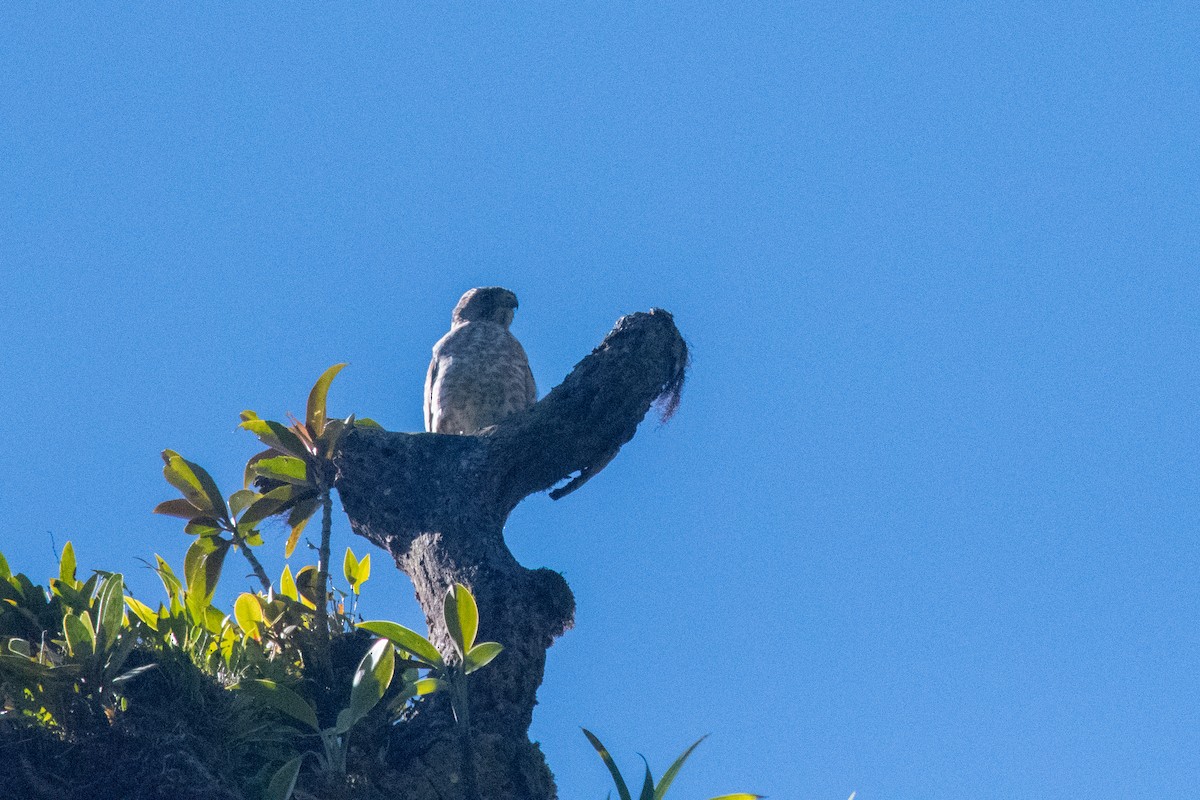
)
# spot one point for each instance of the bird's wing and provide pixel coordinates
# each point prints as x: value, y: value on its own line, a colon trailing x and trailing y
x: 530, y: 385
x: 430, y: 378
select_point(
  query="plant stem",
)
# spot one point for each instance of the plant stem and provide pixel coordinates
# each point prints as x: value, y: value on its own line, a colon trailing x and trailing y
x: 255, y: 565
x: 322, y: 587
x: 462, y: 715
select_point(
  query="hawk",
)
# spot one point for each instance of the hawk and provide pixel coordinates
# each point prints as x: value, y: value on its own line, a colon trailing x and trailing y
x: 479, y: 373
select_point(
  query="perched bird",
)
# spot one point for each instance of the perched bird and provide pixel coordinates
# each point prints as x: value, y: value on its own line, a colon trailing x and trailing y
x: 479, y: 373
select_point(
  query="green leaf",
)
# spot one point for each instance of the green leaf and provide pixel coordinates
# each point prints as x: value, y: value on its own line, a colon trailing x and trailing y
x: 427, y: 686
x: 195, y: 483
x: 208, y: 544
x: 481, y: 655
x: 281, y: 698
x: 407, y: 640
x: 367, y: 422
x: 301, y: 513
x: 201, y: 570
x: 287, y: 469
x: 330, y: 437
x: 276, y: 436
x: 118, y: 655
x: 356, y: 571
x: 249, y: 475
x: 110, y: 613
x: 618, y: 781
x: 306, y: 586
x: 462, y: 618
x: 362, y: 573
x: 202, y: 526
x: 133, y: 673
x: 307, y: 503
x: 673, y: 770
x: 371, y: 680
x: 71, y: 598
x: 273, y: 502
x: 287, y: 584
x: 179, y: 507
x: 86, y: 619
x: 283, y: 782
x: 79, y: 638
x: 248, y: 612
x: 142, y: 611
x: 647, y: 783
x: 240, y: 500
x: 66, y: 565
x: 5, y: 572
x: 171, y: 583
x: 315, y: 418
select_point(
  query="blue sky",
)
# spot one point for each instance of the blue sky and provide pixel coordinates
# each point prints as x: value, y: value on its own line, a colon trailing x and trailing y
x: 925, y: 524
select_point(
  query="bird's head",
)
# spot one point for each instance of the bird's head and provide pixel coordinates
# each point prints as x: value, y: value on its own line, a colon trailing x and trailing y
x: 485, y: 304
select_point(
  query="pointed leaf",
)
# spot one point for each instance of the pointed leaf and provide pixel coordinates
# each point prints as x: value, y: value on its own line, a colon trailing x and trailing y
x: 66, y: 565
x: 407, y: 640
x: 427, y: 686
x: 673, y: 770
x: 71, y: 598
x: 79, y: 638
x: 281, y: 698
x: 110, y: 613
x: 5, y: 572
x: 647, y: 792
x: 249, y: 475
x: 462, y: 617
x: 618, y: 781
x: 276, y: 436
x: 142, y: 611
x: 481, y: 655
x: 330, y: 437
x: 287, y: 584
x: 349, y: 567
x: 293, y: 539
x: 273, y: 502
x: 307, y: 502
x: 362, y: 573
x: 371, y: 680
x: 86, y: 619
x: 179, y: 507
x: 283, y: 782
x: 171, y: 583
x: 240, y: 500
x: 287, y: 469
x: 202, y: 526
x: 367, y: 422
x: 195, y: 483
x: 201, y: 570
x: 315, y: 418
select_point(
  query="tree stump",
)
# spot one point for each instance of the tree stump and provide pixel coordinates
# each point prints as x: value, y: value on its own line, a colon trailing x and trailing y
x: 438, y: 504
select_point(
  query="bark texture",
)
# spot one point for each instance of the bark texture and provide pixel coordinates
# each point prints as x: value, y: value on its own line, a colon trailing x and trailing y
x: 438, y: 504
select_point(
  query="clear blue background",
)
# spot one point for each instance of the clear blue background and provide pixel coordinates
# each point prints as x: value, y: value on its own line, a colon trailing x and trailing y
x: 925, y: 525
